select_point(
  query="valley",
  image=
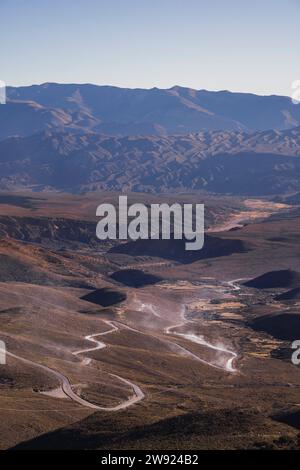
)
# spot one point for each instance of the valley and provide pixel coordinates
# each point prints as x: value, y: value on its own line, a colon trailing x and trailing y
x: 188, y: 356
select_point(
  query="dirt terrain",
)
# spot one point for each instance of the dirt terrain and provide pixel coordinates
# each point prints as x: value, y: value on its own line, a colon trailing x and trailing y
x: 190, y: 358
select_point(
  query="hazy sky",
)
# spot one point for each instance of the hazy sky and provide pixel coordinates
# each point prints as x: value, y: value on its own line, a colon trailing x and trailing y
x: 240, y: 45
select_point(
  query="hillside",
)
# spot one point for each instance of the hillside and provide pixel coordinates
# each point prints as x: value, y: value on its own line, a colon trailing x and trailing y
x: 238, y: 163
x: 282, y: 326
x: 293, y: 294
x: 275, y: 279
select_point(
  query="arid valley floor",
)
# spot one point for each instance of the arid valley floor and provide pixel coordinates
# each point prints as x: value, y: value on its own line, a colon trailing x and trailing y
x: 139, y: 346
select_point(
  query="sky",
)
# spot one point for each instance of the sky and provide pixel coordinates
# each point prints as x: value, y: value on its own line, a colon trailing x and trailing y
x: 238, y: 45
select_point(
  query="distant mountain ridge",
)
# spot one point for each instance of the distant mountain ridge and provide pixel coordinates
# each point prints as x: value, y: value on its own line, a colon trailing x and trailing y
x: 86, y: 137
x: 261, y: 163
x: 122, y: 111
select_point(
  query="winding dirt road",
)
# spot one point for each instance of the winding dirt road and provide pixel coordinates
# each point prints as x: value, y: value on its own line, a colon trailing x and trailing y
x: 229, y: 367
x: 99, y: 344
x: 65, y: 383
x: 229, y: 364
x: 138, y: 394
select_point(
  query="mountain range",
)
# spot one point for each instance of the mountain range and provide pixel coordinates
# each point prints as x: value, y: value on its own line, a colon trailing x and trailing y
x: 123, y: 111
x: 231, y: 162
x: 82, y: 138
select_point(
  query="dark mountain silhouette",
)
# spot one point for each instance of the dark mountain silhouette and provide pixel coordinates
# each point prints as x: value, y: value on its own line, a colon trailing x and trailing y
x: 175, y: 249
x: 135, y: 277
x: 293, y: 294
x: 124, y: 111
x: 275, y: 279
x: 292, y: 418
x: 104, y: 297
x: 285, y: 326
